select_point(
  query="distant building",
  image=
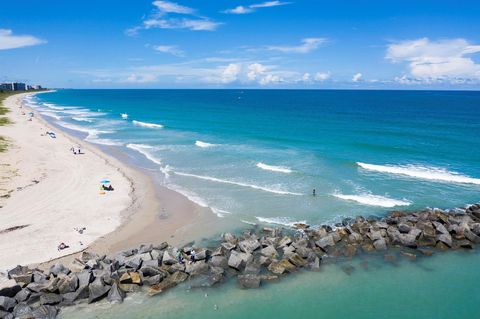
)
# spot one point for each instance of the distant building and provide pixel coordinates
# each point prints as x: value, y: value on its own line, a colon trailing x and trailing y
x: 36, y: 87
x: 18, y: 86
x: 6, y: 87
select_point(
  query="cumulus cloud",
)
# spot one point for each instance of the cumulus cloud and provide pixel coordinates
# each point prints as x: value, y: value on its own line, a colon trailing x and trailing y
x: 170, y: 49
x: 171, y: 15
x: 308, y: 45
x: 230, y: 73
x: 140, y: 78
x: 357, y: 77
x: 448, y: 59
x: 10, y: 41
x: 322, y: 76
x: 252, y: 8
x: 255, y: 70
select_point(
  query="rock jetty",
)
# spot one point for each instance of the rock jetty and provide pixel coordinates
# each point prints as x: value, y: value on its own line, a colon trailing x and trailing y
x: 252, y: 259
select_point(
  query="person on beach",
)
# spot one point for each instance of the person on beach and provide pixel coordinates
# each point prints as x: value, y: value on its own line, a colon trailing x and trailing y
x: 314, y: 192
x: 62, y: 246
x: 192, y: 255
x: 180, y: 257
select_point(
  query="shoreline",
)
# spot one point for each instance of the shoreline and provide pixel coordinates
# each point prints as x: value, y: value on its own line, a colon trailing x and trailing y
x: 136, y: 222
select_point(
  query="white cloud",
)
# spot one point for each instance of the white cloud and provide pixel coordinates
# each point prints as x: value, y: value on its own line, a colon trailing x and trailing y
x: 10, y: 41
x: 255, y: 70
x: 443, y: 60
x: 170, y: 49
x: 140, y: 78
x: 270, y: 79
x: 162, y: 19
x: 322, y: 76
x: 269, y: 4
x: 172, y: 7
x: 185, y: 23
x: 308, y: 45
x: 230, y: 73
x: 357, y: 77
x: 306, y: 77
x: 251, y: 8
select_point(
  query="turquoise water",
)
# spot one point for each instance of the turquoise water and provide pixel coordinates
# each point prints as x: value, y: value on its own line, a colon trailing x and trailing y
x: 255, y: 156
x: 443, y: 286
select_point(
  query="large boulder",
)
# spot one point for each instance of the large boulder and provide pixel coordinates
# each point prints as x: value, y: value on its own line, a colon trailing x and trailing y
x: 116, y: 295
x: 446, y: 239
x: 285, y: 241
x: 471, y: 236
x: 408, y: 240
x: 59, y: 269
x: 440, y: 228
x: 167, y: 283
x: 219, y: 261
x: 131, y: 277
x: 380, y: 244
x: 50, y: 299
x: 7, y: 303
x: 325, y: 242
x: 280, y: 267
x: 9, y: 288
x: 97, y: 290
x: 169, y: 258
x: 68, y: 284
x: 134, y: 262
x: 196, y: 268
x: 249, y: 245
x: 237, y: 259
x: 23, y: 295
x: 296, y: 260
x: 22, y: 310
x: 269, y: 251
x: 45, y: 312
x: 248, y: 281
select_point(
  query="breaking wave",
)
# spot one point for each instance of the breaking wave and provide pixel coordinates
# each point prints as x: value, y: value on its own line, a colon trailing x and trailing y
x: 279, y: 169
x: 430, y: 173
x: 284, y: 221
x: 145, y: 124
x: 373, y: 200
x: 204, y: 144
x: 218, y: 180
x: 143, y: 149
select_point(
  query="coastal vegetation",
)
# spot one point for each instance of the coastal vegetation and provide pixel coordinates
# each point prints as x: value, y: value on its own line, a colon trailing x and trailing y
x: 3, y: 119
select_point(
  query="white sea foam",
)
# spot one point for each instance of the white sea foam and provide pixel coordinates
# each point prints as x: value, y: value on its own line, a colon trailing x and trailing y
x: 124, y: 116
x: 373, y: 200
x: 51, y: 114
x: 189, y: 194
x: 218, y: 180
x: 248, y: 223
x: 144, y: 150
x: 82, y: 112
x: 430, y: 173
x: 145, y: 124
x: 279, y: 169
x: 284, y: 221
x: 53, y: 106
x: 92, y: 134
x: 82, y: 119
x: 204, y: 144
x: 220, y: 212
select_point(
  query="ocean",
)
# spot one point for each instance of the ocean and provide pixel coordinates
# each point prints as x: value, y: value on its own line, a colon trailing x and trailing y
x: 255, y: 157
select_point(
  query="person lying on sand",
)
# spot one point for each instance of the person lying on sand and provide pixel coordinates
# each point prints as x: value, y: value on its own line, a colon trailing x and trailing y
x: 62, y: 246
x: 107, y: 188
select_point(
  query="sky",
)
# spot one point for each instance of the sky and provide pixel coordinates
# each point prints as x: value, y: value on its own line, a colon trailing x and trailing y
x: 304, y: 44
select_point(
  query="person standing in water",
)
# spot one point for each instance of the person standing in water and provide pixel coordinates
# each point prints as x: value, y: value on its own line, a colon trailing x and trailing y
x: 314, y: 192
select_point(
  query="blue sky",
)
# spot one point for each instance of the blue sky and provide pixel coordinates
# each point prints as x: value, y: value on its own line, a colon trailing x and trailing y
x: 248, y: 44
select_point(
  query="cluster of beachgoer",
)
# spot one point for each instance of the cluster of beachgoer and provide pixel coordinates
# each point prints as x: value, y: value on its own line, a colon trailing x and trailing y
x: 191, y: 256
x: 76, y: 150
x: 51, y: 134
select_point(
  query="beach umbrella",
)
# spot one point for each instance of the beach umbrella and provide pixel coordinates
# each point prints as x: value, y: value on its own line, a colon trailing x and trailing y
x: 105, y: 181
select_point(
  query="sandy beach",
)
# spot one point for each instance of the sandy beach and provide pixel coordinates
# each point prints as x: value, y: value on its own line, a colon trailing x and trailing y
x: 48, y: 194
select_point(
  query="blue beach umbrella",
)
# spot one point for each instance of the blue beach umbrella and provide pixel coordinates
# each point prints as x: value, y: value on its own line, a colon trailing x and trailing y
x: 105, y: 181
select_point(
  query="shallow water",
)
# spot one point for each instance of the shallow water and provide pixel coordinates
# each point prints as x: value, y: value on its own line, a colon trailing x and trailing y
x: 441, y: 286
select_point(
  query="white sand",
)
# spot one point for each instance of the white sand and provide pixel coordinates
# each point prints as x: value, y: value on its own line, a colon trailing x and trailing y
x: 67, y: 195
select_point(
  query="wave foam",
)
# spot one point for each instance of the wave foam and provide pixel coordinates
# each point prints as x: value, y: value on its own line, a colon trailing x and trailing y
x: 204, y: 144
x: 145, y: 124
x: 51, y: 114
x: 284, y: 221
x: 220, y: 212
x: 218, y: 180
x: 430, y: 173
x: 82, y: 119
x: 373, y: 200
x: 124, y: 116
x: 279, y: 169
x: 142, y: 149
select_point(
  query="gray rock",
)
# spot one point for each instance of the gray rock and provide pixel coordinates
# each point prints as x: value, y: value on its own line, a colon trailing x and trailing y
x: 380, y: 244
x: 157, y: 254
x: 375, y: 235
x: 228, y: 246
x: 116, y: 295
x: 169, y: 258
x: 50, y: 299
x: 153, y: 280
x: 59, y: 269
x: 252, y: 267
x: 17, y: 271
x: 7, y: 303
x: 238, y: 259
x: 97, y: 290
x: 196, y: 268
x: 408, y: 240
x: 45, y: 312
x: 9, y: 288
x: 134, y: 262
x: 472, y: 237
x: 446, y: 239
x: 325, y: 242
x: 249, y: 245
x: 150, y: 271
x: 440, y: 228
x: 68, y: 284
x: 219, y: 261
x: 288, y: 251
x: 230, y: 238
x: 22, y: 295
x: 297, y: 260
x: 248, y: 281
x: 404, y: 228
x: 285, y: 241
x: 22, y: 310
x: 269, y: 251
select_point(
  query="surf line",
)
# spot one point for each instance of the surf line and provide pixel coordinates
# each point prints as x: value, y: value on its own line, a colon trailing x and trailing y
x: 213, y: 179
